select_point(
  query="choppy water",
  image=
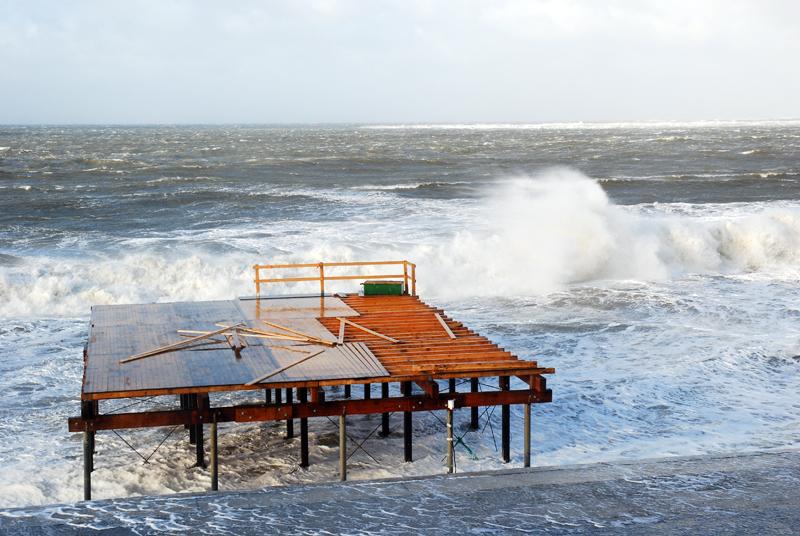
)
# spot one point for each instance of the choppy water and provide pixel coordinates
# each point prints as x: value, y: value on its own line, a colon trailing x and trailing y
x: 655, y: 266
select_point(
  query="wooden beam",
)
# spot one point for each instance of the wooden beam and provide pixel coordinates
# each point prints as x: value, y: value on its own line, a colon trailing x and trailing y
x: 398, y: 374
x: 367, y: 330
x: 262, y: 412
x: 300, y: 334
x: 444, y: 325
x: 174, y: 346
x: 284, y: 368
x: 430, y: 387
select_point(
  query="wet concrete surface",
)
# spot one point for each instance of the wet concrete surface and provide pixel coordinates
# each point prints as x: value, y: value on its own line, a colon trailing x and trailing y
x: 757, y: 493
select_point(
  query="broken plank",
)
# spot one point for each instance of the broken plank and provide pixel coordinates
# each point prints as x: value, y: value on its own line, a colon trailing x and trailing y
x: 367, y: 330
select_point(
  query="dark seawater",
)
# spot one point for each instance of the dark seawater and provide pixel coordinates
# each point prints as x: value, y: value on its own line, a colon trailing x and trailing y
x: 654, y: 265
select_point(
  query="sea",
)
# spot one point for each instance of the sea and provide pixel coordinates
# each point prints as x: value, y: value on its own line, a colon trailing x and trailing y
x: 655, y: 266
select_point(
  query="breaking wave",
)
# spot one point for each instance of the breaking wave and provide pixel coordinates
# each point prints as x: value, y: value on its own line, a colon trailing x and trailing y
x: 531, y: 235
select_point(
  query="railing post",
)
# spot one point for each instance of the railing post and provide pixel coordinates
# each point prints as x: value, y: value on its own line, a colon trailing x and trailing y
x: 413, y: 279
x: 258, y: 280
x: 405, y: 277
x: 321, y: 279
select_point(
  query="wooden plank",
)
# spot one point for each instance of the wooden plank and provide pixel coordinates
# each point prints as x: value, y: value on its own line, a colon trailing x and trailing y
x: 328, y: 408
x: 283, y: 369
x: 340, y: 340
x: 371, y: 332
x: 168, y: 347
x: 444, y: 325
x: 298, y: 333
x: 118, y: 332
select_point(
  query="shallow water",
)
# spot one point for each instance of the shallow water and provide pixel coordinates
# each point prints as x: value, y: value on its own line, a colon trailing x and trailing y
x: 655, y: 266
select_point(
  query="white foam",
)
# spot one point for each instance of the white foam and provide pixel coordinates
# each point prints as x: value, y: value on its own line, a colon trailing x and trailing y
x: 580, y: 125
x: 529, y: 236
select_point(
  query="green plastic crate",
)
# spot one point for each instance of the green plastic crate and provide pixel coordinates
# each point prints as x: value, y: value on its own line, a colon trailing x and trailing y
x: 383, y: 288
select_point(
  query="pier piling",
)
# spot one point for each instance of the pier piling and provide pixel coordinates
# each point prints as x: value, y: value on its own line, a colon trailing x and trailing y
x: 87, y: 466
x: 342, y: 448
x: 407, y: 425
x: 506, y: 421
x: 526, y: 448
x: 450, y: 446
x: 384, y: 416
x: 214, y: 455
x: 302, y: 394
x: 289, y: 422
x: 473, y: 411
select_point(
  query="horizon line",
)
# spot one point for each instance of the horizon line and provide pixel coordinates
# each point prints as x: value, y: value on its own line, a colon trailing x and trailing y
x: 412, y: 124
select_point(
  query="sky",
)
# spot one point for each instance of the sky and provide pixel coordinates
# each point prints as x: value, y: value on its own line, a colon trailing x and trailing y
x: 404, y: 61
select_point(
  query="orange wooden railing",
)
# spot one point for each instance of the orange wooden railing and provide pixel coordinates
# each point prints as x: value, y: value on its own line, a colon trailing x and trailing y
x: 409, y: 274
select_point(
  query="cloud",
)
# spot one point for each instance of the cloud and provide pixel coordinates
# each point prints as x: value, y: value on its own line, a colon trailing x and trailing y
x: 340, y: 60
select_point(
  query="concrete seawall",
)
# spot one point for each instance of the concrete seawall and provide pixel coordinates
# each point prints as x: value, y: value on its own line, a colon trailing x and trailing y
x: 754, y: 493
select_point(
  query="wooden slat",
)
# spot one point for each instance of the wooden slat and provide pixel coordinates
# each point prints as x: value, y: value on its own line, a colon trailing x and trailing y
x: 394, y: 338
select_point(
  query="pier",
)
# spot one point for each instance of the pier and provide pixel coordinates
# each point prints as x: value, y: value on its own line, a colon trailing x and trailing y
x: 297, y: 350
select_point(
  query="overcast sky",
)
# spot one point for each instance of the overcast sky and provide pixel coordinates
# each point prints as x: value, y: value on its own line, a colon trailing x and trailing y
x: 397, y: 61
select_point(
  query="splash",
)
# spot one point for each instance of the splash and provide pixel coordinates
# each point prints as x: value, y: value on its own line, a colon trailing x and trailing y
x: 528, y: 236
x: 542, y: 233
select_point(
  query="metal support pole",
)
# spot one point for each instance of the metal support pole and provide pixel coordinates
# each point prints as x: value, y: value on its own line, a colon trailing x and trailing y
x: 199, y: 450
x: 526, y: 408
x: 278, y: 396
x: 347, y: 391
x: 407, y: 424
x: 268, y: 396
x: 302, y: 394
x: 473, y: 417
x: 384, y: 416
x: 89, y: 410
x: 367, y: 391
x: 506, y: 421
x: 451, y: 385
x: 95, y: 411
x: 190, y: 404
x: 451, y: 404
x: 87, y: 466
x: 200, y: 402
x: 342, y: 448
x: 214, y: 455
x: 289, y: 422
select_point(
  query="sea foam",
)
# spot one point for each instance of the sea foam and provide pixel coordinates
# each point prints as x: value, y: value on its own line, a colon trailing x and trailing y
x: 528, y: 236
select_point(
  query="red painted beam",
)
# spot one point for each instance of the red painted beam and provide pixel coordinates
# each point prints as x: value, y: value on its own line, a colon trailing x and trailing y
x: 281, y: 412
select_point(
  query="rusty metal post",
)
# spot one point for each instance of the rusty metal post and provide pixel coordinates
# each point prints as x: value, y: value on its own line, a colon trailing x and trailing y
x: 87, y: 466
x: 302, y: 394
x: 526, y: 456
x: 407, y: 426
x: 88, y: 411
x: 342, y: 447
x: 473, y: 417
x: 214, y: 455
x: 384, y: 416
x: 190, y: 404
x: 200, y: 403
x: 451, y: 404
x: 506, y: 421
x: 289, y: 422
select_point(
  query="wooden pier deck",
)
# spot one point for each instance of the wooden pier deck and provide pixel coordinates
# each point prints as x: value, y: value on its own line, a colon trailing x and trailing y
x: 297, y: 347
